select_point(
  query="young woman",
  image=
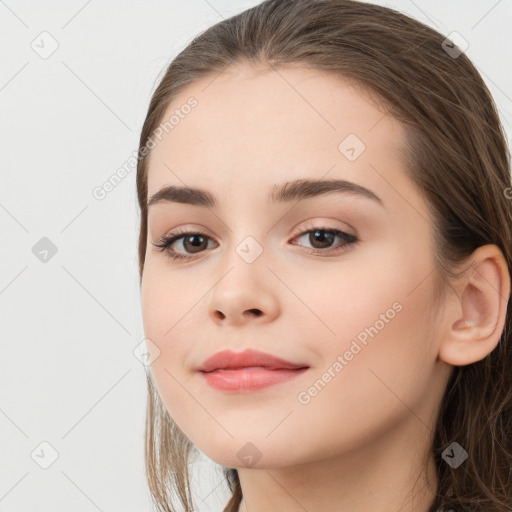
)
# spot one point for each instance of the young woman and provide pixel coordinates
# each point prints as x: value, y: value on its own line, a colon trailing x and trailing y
x: 325, y: 260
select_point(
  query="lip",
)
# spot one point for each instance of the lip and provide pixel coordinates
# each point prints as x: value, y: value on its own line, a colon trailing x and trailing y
x: 246, y: 380
x: 229, y: 360
x: 248, y: 371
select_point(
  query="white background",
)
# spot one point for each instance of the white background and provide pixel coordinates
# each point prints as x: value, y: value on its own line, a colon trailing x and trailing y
x: 68, y: 375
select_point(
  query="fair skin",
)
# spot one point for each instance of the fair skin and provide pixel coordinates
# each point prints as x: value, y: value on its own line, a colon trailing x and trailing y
x: 358, y: 444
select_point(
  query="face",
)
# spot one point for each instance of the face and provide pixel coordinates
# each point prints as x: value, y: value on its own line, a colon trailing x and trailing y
x: 340, y: 282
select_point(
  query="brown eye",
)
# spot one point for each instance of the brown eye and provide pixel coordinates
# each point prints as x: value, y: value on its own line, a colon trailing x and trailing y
x: 194, y: 243
x: 322, y: 239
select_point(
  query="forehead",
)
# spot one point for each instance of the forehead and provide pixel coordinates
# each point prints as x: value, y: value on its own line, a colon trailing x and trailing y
x: 253, y: 128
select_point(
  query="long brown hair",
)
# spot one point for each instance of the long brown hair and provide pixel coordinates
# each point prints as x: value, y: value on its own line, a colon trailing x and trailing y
x: 456, y: 153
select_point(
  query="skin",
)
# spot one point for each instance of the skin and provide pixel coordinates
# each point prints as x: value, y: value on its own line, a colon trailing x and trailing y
x: 358, y: 444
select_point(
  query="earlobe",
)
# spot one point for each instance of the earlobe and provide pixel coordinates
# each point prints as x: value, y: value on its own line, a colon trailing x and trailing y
x: 474, y: 326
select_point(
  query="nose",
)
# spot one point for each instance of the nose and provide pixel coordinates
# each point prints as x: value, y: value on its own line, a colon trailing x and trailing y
x: 247, y: 292
x: 248, y: 312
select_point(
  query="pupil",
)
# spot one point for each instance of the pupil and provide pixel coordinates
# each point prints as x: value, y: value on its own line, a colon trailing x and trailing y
x: 194, y: 241
x: 323, y: 237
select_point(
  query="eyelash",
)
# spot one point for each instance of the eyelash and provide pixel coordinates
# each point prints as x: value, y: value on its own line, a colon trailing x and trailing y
x: 167, y: 240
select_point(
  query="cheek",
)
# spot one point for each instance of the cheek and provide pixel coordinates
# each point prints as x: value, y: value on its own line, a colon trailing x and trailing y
x: 375, y: 315
x: 381, y: 320
x: 164, y: 313
x: 386, y: 363
x: 356, y: 298
x: 168, y: 300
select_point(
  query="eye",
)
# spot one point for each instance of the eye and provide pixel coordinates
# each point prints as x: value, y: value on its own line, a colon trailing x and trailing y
x: 322, y: 238
x: 192, y: 241
x: 195, y: 242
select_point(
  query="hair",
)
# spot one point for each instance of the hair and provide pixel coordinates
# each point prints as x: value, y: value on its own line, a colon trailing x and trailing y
x: 456, y: 153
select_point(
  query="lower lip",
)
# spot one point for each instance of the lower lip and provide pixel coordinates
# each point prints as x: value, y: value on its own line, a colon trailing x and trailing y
x: 248, y: 380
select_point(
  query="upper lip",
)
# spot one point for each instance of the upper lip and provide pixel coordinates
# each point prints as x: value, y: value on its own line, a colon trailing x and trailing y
x: 227, y: 359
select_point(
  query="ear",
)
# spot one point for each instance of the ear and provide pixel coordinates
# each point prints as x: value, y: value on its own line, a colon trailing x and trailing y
x: 475, y: 313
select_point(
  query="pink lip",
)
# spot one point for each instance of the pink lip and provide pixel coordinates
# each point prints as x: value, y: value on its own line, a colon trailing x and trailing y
x: 229, y: 360
x: 248, y: 379
x: 247, y: 371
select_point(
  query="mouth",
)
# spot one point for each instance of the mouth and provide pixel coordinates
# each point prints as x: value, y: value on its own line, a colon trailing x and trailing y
x: 249, y: 378
x: 253, y: 368
x: 251, y: 360
x: 247, y: 371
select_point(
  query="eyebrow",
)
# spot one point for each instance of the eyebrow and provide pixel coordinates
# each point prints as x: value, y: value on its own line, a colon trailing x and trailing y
x: 287, y: 192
